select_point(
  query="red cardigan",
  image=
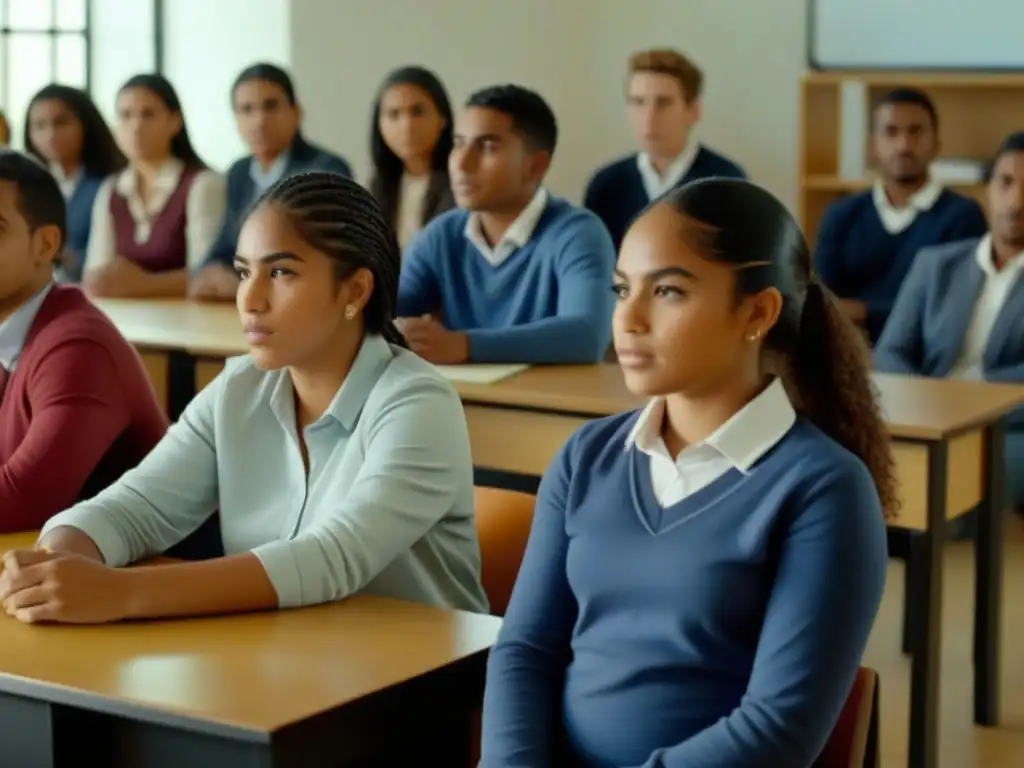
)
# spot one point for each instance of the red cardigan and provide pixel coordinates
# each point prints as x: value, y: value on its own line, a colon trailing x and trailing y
x: 78, y: 412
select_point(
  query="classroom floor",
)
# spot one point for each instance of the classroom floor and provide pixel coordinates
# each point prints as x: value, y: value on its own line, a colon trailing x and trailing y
x: 962, y: 745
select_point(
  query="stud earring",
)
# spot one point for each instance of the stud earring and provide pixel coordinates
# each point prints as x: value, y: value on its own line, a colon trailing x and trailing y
x: 754, y: 337
x: 350, y: 312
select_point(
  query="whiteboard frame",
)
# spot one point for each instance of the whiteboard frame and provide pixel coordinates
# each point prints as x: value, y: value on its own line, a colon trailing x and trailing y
x: 815, y: 64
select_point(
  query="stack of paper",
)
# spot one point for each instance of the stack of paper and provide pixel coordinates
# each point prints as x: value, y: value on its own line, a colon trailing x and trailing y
x: 480, y: 373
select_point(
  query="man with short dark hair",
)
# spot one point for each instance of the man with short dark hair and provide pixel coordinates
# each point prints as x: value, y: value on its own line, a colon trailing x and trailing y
x: 76, y: 407
x: 515, y: 275
x: 664, y: 97
x: 868, y: 241
x: 960, y: 313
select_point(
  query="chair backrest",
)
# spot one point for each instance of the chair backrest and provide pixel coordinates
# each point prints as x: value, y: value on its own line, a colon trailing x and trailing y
x: 854, y: 740
x: 503, y: 520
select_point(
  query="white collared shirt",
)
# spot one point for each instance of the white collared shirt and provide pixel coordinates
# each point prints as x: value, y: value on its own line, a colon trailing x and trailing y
x: 67, y: 183
x: 265, y: 179
x: 409, y: 218
x: 14, y: 330
x: 657, y: 184
x: 749, y: 434
x: 516, y: 236
x: 204, y: 212
x: 988, y: 305
x: 895, y: 220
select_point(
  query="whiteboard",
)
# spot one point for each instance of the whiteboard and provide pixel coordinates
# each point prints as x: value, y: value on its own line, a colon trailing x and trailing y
x: 916, y: 34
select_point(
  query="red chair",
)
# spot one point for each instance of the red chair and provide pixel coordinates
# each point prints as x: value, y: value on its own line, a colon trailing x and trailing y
x: 854, y: 740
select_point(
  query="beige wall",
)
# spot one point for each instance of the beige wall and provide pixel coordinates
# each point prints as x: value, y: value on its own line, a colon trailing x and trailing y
x: 573, y: 53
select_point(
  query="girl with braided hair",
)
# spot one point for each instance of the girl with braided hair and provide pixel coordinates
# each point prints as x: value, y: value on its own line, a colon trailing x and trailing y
x: 339, y: 460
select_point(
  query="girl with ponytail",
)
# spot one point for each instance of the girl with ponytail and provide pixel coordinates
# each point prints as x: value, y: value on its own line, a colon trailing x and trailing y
x: 703, y: 573
x: 339, y: 460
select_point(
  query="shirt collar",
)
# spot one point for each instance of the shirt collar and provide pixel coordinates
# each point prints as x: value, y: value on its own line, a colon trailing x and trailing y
x: 166, y: 179
x: 655, y: 183
x: 519, y: 232
x: 14, y: 330
x: 922, y: 200
x: 373, y: 357
x: 265, y: 179
x: 67, y: 183
x: 747, y: 436
x: 984, y: 257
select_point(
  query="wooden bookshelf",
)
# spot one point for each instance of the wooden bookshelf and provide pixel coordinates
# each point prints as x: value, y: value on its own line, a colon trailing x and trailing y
x: 976, y: 112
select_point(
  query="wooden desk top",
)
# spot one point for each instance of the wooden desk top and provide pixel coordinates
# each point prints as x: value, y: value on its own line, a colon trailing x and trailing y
x: 915, y: 408
x: 257, y: 672
x: 202, y: 329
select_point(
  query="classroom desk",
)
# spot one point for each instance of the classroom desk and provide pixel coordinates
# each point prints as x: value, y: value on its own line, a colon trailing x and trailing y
x: 517, y: 425
x: 368, y: 681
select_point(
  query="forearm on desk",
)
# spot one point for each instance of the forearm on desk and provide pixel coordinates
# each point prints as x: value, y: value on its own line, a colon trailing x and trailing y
x: 173, y: 284
x: 233, y: 584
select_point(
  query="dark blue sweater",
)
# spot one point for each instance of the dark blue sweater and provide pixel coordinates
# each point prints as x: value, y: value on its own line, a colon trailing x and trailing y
x: 617, y: 195
x: 80, y: 206
x: 858, y: 259
x: 724, y: 631
x: 548, y: 302
x: 241, y: 192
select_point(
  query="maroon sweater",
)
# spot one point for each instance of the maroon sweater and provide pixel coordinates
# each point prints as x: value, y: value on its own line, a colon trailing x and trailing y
x: 78, y: 412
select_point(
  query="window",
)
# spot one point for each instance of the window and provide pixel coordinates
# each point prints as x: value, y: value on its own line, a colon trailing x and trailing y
x: 41, y: 42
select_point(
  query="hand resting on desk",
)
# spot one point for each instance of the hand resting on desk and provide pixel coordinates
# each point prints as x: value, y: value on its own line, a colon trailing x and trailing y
x: 37, y: 585
x: 65, y: 580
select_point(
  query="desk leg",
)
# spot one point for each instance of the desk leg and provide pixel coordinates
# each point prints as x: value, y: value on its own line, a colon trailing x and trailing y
x: 181, y: 382
x: 26, y: 732
x: 988, y: 581
x: 927, y: 560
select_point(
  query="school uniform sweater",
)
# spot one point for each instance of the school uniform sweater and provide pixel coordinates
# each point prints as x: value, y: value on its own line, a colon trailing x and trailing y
x: 723, y: 630
x: 617, y: 195
x: 79, y: 207
x: 549, y: 301
x: 857, y: 258
x: 242, y: 191
x: 77, y: 412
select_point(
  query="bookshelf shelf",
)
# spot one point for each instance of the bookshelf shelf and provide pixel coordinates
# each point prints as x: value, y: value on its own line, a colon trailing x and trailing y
x: 976, y: 112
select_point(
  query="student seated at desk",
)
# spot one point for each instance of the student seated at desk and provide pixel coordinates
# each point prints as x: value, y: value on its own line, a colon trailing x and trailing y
x: 338, y: 459
x: 410, y: 140
x: 158, y: 218
x: 868, y: 241
x: 269, y: 120
x: 663, y: 91
x: 960, y: 313
x: 76, y: 407
x: 65, y: 131
x: 516, y: 275
x: 702, y: 575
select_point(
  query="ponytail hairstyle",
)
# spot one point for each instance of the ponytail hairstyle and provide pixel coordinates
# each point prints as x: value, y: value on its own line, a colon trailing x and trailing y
x: 341, y: 219
x: 813, y: 348
x: 160, y: 86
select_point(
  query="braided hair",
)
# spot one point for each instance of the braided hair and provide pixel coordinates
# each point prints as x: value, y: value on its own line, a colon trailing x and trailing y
x: 338, y: 217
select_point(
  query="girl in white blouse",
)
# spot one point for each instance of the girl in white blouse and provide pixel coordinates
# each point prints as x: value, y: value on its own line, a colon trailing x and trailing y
x: 157, y: 219
x: 410, y: 140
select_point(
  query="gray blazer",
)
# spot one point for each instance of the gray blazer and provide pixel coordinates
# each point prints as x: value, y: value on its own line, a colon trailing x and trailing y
x: 925, y: 332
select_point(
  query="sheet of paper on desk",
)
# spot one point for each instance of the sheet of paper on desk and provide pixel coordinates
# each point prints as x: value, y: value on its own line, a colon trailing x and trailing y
x: 481, y: 373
